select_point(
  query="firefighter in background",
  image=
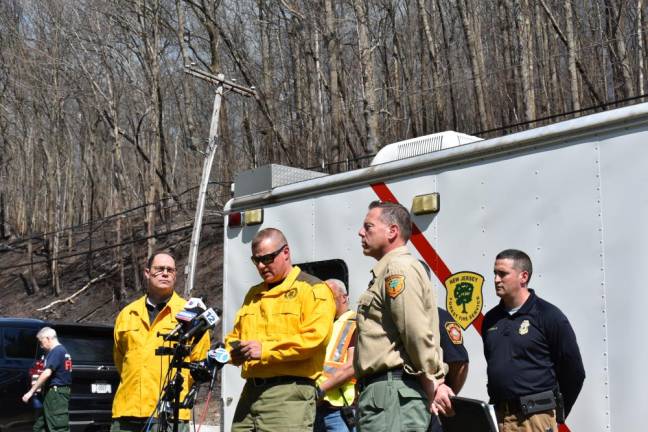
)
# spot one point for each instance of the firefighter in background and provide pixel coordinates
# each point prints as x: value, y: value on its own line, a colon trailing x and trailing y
x: 336, y: 385
x: 398, y: 360
x: 455, y: 355
x: 279, y: 337
x: 56, y: 379
x: 535, y: 370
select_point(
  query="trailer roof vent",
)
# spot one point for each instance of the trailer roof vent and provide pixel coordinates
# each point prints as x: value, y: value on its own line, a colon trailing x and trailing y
x: 267, y: 177
x: 422, y: 145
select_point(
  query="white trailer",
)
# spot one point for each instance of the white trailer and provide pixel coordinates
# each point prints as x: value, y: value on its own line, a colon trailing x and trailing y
x: 569, y: 194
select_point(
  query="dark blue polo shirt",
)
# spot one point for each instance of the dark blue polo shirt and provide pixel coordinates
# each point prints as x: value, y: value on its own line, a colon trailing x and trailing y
x: 530, y: 351
x: 454, y: 350
x: 60, y: 362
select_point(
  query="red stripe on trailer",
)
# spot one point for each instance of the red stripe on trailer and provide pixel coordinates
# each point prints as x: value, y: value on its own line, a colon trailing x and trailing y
x: 424, y: 247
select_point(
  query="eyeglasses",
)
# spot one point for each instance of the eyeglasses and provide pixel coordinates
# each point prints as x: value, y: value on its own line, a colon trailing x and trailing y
x: 156, y: 270
x: 268, y: 258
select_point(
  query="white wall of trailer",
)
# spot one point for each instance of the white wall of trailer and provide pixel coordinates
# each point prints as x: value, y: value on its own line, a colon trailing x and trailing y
x: 572, y: 195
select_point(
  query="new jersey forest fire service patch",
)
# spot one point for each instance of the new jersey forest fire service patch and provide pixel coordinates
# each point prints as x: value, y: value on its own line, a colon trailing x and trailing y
x: 464, y: 299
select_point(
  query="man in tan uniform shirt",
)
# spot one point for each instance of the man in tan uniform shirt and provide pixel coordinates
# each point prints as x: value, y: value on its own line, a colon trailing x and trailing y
x: 398, y: 360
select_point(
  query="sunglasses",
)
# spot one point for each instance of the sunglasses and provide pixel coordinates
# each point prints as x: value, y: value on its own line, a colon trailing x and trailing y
x: 268, y: 258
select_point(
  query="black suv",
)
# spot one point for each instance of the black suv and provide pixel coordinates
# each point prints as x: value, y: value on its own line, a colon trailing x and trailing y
x: 94, y: 377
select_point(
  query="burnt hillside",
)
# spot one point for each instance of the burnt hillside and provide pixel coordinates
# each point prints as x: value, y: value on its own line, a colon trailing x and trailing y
x: 100, y: 273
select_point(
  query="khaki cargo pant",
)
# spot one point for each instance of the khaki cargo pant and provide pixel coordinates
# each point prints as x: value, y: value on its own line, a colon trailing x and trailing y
x: 540, y: 422
x: 281, y: 407
x: 393, y: 406
x: 54, y: 417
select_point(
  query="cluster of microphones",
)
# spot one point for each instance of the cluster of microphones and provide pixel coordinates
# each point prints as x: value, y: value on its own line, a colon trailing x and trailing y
x: 193, y: 321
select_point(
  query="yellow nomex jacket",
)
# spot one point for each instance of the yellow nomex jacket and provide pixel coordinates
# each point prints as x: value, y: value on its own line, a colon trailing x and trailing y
x: 292, y: 321
x: 141, y: 371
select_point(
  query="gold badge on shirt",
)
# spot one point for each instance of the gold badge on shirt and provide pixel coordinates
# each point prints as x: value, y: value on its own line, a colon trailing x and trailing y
x: 524, y: 327
x: 291, y: 294
x: 394, y: 285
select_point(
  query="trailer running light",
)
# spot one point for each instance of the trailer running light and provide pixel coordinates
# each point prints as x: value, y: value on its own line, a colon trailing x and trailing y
x: 426, y: 204
x: 234, y: 220
x: 253, y: 217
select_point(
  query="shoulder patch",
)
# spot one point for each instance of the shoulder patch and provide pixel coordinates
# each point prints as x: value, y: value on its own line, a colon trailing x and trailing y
x: 308, y: 278
x: 454, y: 333
x: 394, y: 285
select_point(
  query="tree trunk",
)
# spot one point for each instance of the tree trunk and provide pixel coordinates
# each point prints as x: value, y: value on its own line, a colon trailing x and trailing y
x: 523, y: 18
x: 640, y: 48
x: 431, y: 50
x: 571, y: 47
x: 337, y: 150
x: 474, y: 54
x: 368, y: 82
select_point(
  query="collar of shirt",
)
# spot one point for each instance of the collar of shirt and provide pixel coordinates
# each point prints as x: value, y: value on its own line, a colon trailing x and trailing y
x: 279, y: 288
x: 150, y: 305
x: 525, y: 307
x: 381, y: 265
x: 175, y: 304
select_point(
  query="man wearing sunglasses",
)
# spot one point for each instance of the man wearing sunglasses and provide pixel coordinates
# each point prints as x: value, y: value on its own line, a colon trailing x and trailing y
x: 137, y: 335
x: 279, y: 340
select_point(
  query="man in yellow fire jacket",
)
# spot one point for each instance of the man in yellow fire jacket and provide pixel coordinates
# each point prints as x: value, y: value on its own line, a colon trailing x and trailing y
x: 336, y: 385
x: 136, y: 338
x: 279, y: 339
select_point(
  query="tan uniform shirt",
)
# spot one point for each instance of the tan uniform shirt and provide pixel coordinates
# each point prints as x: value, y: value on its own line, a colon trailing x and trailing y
x: 398, y: 322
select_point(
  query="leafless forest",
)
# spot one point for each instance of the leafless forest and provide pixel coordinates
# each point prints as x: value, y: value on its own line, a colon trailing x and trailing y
x: 101, y: 127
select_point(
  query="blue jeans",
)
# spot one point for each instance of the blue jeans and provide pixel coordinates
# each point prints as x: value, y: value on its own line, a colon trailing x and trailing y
x: 329, y: 419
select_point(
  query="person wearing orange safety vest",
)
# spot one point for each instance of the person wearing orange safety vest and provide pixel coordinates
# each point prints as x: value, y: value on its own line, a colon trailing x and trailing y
x: 336, y: 385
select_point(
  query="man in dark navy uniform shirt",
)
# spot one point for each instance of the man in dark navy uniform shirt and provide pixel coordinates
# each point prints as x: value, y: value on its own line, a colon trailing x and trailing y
x: 56, y: 380
x: 455, y: 356
x: 531, y: 352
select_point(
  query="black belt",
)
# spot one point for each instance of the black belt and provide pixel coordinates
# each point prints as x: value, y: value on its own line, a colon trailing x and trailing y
x: 264, y: 382
x: 390, y: 375
x: 528, y: 405
x: 511, y: 406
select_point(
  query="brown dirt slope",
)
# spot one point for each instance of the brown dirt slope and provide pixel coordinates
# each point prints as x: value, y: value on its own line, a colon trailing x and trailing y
x: 97, y: 303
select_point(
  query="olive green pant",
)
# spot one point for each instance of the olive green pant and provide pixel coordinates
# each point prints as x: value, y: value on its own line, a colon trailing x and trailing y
x: 54, y: 417
x: 281, y: 407
x: 134, y: 424
x: 393, y: 406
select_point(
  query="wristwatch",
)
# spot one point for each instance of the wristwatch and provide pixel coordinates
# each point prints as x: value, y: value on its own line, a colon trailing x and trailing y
x: 319, y: 392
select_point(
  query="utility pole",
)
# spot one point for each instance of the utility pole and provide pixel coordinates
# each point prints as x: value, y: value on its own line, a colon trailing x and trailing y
x: 221, y: 85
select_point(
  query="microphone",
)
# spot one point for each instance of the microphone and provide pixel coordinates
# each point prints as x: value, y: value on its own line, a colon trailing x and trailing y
x: 205, y: 370
x: 216, y: 359
x: 201, y: 323
x: 185, y: 317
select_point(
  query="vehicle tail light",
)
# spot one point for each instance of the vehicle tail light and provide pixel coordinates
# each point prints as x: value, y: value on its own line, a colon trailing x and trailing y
x: 36, y: 370
x: 234, y: 220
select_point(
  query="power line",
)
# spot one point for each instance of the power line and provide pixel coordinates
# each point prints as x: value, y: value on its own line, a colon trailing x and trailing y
x: 98, y: 222
x: 107, y: 247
